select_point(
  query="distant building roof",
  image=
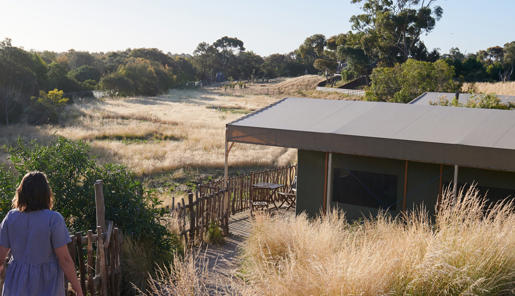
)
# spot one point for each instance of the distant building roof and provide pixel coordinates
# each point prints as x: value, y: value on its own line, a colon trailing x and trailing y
x: 471, y: 137
x: 434, y: 97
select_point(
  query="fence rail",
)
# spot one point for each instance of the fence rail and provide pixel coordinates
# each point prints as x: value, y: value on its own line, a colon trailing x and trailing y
x: 201, y: 212
x: 213, y: 203
x: 240, y: 187
x: 98, y: 260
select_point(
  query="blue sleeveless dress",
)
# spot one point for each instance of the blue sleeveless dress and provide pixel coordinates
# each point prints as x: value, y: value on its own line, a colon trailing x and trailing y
x: 33, y: 269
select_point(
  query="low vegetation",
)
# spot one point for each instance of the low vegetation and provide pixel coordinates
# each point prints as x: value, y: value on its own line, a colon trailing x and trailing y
x: 71, y: 174
x: 489, y: 101
x: 468, y: 250
x: 499, y: 88
x: 404, y: 82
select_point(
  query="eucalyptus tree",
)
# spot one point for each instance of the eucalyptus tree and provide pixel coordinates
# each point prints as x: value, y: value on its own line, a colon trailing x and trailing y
x: 392, y: 28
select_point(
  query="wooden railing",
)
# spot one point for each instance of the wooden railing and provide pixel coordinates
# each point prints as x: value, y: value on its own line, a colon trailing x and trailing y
x: 213, y: 203
x: 240, y: 187
x: 98, y: 260
x: 201, y: 212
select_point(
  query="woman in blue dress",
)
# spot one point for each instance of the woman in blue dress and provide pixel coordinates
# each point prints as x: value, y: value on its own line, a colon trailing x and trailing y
x: 37, y: 239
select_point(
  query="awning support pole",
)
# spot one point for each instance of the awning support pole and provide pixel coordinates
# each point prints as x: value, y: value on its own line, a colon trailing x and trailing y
x: 455, y: 183
x: 439, y: 198
x: 329, y: 183
x: 226, y: 164
x: 405, y: 193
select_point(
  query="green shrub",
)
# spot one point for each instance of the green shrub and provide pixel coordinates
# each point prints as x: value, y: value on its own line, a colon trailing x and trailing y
x: 404, y: 82
x: 46, y: 107
x: 489, y: 101
x: 72, y: 175
x: 214, y: 234
x: 7, y: 189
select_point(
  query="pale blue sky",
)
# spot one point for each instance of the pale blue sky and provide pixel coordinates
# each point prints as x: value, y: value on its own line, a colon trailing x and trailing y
x: 266, y: 26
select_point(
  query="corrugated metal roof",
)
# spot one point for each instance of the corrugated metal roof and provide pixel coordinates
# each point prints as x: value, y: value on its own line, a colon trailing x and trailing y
x: 434, y: 97
x: 471, y: 137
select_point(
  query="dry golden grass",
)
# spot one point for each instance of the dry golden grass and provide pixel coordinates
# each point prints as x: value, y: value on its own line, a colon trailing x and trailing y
x: 498, y: 88
x: 464, y: 253
x: 279, y: 87
x: 185, y: 128
x: 190, y: 276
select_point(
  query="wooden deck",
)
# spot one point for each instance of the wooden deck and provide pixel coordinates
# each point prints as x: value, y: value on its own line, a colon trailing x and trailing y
x: 224, y: 260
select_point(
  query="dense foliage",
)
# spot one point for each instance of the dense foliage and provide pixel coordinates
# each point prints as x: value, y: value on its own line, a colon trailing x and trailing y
x: 403, y: 82
x: 71, y: 174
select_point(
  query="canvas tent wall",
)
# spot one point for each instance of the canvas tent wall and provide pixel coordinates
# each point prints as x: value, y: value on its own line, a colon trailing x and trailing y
x: 419, y: 135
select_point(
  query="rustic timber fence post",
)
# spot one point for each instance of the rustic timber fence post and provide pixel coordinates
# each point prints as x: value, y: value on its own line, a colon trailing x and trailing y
x: 192, y: 217
x: 99, y: 203
x: 101, y: 259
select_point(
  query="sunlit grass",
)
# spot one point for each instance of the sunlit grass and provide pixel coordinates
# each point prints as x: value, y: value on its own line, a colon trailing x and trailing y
x: 499, y: 88
x: 467, y: 251
x: 185, y: 128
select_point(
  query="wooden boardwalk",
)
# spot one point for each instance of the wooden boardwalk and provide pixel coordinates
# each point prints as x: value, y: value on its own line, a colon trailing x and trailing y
x: 224, y: 259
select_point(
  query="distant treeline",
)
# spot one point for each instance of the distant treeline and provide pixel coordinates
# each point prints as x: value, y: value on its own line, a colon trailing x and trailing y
x: 385, y: 36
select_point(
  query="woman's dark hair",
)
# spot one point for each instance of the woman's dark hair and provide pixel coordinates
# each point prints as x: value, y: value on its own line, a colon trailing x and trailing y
x: 33, y: 193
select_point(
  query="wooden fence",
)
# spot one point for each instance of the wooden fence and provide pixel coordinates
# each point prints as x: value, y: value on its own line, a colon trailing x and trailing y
x: 240, y: 187
x: 213, y: 203
x: 98, y: 256
x: 98, y: 260
x: 201, y: 212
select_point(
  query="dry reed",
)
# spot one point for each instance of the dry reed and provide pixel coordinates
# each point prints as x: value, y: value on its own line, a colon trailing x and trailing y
x: 469, y: 250
x: 499, y: 88
x: 190, y: 276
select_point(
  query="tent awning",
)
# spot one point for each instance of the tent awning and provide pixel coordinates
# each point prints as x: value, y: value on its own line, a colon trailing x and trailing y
x: 481, y: 138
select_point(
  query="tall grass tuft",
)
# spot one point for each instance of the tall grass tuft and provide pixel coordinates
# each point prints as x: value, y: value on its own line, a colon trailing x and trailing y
x: 469, y: 249
x: 190, y: 275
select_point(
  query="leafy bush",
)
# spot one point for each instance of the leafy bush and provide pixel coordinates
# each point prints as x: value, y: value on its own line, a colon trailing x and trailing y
x: 117, y: 84
x: 489, y: 101
x: 72, y: 175
x: 138, y: 77
x: 84, y: 73
x: 403, y: 82
x: 47, y: 107
x: 214, y: 234
x: 7, y: 189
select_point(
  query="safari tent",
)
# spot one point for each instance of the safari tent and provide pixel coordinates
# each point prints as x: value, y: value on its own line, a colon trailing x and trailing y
x: 365, y: 156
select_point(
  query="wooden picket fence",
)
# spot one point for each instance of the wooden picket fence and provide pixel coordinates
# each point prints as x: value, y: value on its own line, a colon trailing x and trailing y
x: 201, y: 212
x: 98, y: 260
x: 240, y: 187
x: 97, y: 255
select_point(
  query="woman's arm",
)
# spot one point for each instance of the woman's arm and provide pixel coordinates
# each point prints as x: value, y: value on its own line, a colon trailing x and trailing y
x: 67, y: 265
x: 3, y: 255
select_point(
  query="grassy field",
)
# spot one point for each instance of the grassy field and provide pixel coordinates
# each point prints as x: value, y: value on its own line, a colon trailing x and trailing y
x: 499, y: 88
x: 172, y: 139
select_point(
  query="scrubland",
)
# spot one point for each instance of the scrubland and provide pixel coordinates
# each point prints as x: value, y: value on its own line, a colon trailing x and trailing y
x: 467, y: 249
x: 499, y: 88
x: 185, y: 128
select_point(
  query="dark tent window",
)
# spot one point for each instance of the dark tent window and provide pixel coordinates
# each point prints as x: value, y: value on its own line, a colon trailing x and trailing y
x: 493, y: 194
x: 365, y: 189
